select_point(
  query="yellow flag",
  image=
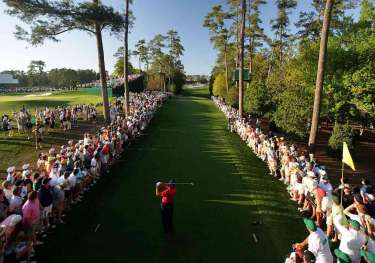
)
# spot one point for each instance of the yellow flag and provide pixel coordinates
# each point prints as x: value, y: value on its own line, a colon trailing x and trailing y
x: 346, y: 157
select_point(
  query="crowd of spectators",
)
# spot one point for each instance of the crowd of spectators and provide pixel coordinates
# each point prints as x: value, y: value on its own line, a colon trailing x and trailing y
x: 341, y: 217
x: 46, y: 118
x: 33, y: 201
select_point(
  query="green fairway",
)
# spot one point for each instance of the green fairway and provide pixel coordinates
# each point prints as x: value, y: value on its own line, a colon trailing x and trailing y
x: 13, y: 102
x: 214, y: 220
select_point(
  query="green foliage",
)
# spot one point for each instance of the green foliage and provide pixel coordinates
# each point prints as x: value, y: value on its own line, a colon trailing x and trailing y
x: 178, y: 82
x: 142, y: 51
x: 48, y: 19
x: 284, y: 73
x: 69, y: 77
x: 119, y: 65
x: 257, y: 99
x: 280, y: 26
x: 232, y: 98
x: 362, y: 86
x: 219, y: 87
x: 293, y: 112
x: 211, y: 84
x: 57, y: 78
x: 341, y: 133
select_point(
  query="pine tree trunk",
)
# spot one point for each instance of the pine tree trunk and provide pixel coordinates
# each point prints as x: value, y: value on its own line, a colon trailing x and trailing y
x: 126, y: 60
x: 103, y: 73
x: 226, y: 69
x: 241, y: 58
x: 320, y: 75
x: 251, y: 55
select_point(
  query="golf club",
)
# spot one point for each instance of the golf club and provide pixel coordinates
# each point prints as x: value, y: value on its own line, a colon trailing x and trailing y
x: 192, y: 184
x: 184, y: 183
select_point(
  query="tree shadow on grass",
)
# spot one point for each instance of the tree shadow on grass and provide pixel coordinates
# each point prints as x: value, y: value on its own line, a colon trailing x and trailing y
x: 187, y: 140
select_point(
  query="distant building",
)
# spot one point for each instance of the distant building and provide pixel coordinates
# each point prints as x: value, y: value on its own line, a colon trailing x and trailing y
x: 7, y: 80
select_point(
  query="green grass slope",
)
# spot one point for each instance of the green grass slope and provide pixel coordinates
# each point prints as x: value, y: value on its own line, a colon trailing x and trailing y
x: 214, y: 219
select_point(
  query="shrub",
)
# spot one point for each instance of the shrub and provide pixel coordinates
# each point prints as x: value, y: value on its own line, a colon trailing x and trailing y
x: 232, y: 98
x: 341, y: 133
x: 219, y: 88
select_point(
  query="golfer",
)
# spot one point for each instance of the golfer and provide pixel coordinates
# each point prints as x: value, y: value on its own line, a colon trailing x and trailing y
x: 167, y: 192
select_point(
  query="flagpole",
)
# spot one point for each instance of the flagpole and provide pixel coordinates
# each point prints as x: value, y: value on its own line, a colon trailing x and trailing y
x: 342, y: 180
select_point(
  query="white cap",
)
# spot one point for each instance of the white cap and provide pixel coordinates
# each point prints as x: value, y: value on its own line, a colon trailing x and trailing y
x: 25, y: 166
x: 322, y: 172
x: 11, y: 169
x: 370, y: 197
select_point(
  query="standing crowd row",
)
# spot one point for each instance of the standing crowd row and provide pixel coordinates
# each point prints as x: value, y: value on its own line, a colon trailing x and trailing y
x: 46, y: 119
x: 34, y: 200
x: 341, y: 216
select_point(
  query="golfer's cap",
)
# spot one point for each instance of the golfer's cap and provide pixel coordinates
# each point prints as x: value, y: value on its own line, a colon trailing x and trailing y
x: 26, y: 173
x: 25, y: 166
x: 11, y: 169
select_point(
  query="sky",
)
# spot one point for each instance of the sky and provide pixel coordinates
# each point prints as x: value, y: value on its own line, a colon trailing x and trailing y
x: 77, y: 49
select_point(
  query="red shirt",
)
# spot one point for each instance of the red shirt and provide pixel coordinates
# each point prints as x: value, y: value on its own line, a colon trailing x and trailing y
x: 168, y: 195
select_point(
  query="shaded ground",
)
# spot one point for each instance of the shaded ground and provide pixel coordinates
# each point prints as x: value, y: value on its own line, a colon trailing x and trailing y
x: 363, y: 155
x: 214, y: 219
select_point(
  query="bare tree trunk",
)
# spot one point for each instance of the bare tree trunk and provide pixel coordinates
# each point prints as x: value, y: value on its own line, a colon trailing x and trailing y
x: 226, y: 69
x: 126, y: 60
x: 241, y: 58
x: 320, y: 75
x: 102, y: 72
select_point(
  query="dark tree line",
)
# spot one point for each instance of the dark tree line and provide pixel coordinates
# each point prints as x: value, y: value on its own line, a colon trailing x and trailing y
x: 36, y: 76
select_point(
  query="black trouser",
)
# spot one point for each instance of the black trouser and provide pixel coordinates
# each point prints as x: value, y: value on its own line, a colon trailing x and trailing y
x: 167, y: 217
